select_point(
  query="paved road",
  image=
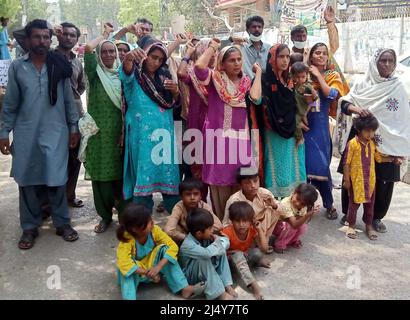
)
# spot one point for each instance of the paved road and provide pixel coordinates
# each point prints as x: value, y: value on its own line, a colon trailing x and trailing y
x: 329, y: 266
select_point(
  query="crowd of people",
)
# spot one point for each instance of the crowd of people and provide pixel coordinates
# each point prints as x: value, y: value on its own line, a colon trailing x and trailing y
x: 261, y: 114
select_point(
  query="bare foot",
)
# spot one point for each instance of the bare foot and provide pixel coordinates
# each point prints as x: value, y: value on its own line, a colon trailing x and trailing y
x: 226, y: 296
x: 187, y: 292
x: 231, y: 291
x: 256, y: 291
x: 264, y: 264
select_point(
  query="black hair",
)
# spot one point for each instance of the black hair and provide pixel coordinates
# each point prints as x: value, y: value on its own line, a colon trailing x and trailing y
x: 296, y: 57
x: 37, y: 24
x: 145, y: 21
x: 299, y: 67
x: 252, y: 19
x: 369, y: 122
x: 280, y: 48
x: 189, y: 185
x: 317, y: 45
x: 134, y: 216
x: 307, y: 193
x: 70, y: 25
x: 199, y: 220
x: 241, y: 175
x: 241, y: 211
x: 229, y: 51
x: 297, y: 29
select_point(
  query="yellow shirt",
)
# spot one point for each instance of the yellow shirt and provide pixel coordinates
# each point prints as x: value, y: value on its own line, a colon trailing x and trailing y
x: 288, y: 210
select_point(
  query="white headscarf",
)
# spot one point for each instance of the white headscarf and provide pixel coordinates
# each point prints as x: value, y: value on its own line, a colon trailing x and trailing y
x: 387, y: 100
x: 110, y: 77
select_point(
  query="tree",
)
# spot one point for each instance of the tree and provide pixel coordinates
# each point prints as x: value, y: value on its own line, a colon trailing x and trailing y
x: 91, y: 14
x: 10, y: 9
x: 131, y: 10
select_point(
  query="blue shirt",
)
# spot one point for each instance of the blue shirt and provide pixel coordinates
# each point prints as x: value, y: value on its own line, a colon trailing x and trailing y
x: 251, y: 56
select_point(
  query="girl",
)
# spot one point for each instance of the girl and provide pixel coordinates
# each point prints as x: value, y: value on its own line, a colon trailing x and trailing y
x: 296, y: 211
x: 359, y: 175
x: 151, y: 96
x: 145, y: 253
x: 104, y: 161
x: 317, y: 136
x: 226, y: 120
x: 282, y: 162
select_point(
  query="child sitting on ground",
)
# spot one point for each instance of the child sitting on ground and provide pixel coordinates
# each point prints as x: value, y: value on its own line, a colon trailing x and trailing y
x: 300, y: 75
x: 297, y: 210
x: 244, y: 236
x: 190, y: 192
x: 360, y: 157
x: 266, y: 208
x: 203, y: 256
x: 145, y: 252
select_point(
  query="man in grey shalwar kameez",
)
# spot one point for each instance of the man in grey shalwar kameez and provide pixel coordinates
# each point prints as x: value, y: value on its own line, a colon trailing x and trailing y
x: 40, y: 111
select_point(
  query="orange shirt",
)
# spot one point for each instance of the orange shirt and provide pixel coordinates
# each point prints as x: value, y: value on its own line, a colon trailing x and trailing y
x: 236, y: 243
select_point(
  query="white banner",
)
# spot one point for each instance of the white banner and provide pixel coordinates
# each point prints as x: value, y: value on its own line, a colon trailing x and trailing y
x: 4, y: 69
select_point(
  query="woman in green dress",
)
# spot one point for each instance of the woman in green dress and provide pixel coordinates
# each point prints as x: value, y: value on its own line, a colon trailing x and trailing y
x: 104, y: 163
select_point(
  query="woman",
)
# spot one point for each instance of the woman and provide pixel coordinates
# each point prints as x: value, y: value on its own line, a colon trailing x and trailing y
x: 282, y: 162
x: 123, y: 48
x: 194, y: 95
x: 318, y: 142
x: 103, y: 154
x: 151, y: 96
x: 227, y: 141
x: 382, y: 94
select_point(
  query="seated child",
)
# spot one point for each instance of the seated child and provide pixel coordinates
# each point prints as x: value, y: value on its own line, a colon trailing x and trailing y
x: 360, y: 156
x: 145, y: 252
x: 244, y: 236
x: 265, y: 206
x: 203, y: 257
x: 297, y: 210
x: 190, y: 192
x: 300, y: 73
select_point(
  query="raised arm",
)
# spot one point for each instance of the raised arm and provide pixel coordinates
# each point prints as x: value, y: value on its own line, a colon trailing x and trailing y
x: 333, y: 33
x: 180, y: 39
x: 256, y: 90
x: 132, y: 28
x: 183, y: 66
x: 204, y: 60
x: 90, y: 46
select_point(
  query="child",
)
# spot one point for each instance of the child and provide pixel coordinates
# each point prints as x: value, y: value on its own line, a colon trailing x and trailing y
x: 244, y: 236
x: 265, y: 206
x: 203, y: 257
x: 145, y: 252
x: 300, y: 72
x: 296, y: 57
x: 360, y: 157
x: 297, y: 210
x: 190, y: 192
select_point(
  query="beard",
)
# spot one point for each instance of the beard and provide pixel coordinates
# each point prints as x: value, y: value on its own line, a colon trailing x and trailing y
x: 40, y: 50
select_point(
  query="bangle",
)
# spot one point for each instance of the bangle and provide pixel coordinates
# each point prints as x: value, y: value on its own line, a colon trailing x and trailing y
x: 186, y: 59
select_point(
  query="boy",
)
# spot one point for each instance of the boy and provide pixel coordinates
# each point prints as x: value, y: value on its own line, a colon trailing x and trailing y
x: 202, y: 257
x: 190, y: 192
x: 244, y: 236
x: 298, y: 209
x: 300, y: 73
x: 262, y: 200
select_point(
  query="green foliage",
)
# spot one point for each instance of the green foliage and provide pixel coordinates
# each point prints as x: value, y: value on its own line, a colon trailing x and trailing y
x: 131, y: 10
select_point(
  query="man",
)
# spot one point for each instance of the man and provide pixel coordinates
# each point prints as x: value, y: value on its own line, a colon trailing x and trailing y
x: 142, y: 27
x: 255, y: 50
x: 298, y: 35
x: 68, y: 36
x: 4, y: 39
x: 39, y: 109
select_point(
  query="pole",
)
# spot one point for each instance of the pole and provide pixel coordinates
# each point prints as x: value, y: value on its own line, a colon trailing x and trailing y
x: 401, y: 35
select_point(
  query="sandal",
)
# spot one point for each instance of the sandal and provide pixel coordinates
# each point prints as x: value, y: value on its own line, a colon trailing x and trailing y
x: 280, y: 251
x: 27, y: 240
x: 68, y: 233
x: 102, y: 226
x: 351, y: 233
x: 379, y: 226
x: 371, y: 234
x: 76, y: 203
x: 331, y: 214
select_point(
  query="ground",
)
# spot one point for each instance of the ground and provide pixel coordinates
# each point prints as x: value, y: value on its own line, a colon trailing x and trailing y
x: 329, y: 266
